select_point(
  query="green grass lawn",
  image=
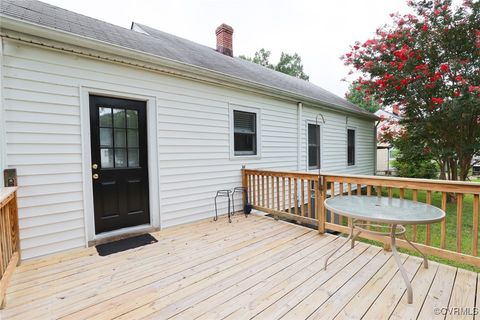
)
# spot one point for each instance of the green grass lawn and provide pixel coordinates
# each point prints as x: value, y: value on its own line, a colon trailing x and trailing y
x: 451, y: 225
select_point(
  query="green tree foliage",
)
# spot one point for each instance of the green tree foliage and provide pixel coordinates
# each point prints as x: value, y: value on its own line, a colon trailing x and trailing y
x: 427, y: 62
x: 292, y: 65
x: 413, y: 160
x: 288, y: 64
x: 356, y: 95
x: 262, y: 57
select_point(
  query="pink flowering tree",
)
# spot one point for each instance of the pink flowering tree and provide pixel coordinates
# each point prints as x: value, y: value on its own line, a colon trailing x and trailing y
x: 428, y: 63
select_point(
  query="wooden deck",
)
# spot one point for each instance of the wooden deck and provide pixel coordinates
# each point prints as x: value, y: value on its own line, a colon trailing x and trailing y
x: 252, y: 268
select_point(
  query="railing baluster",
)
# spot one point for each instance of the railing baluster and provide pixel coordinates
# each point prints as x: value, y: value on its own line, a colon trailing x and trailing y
x: 8, y: 234
x: 289, y: 195
x: 369, y: 194
x: 359, y: 189
x: 302, y: 189
x: 252, y: 192
x: 428, y: 231
x: 402, y: 193
x: 459, y: 221
x: 283, y: 193
x: 443, y: 225
x: 414, y: 227
x: 475, y: 225
x: 258, y: 190
x: 263, y: 191
x: 341, y: 219
x: 3, y: 251
x: 349, y: 186
x: 295, y: 196
x: 309, y: 199
x: 273, y: 193
x: 267, y: 187
x: 390, y: 192
x: 249, y: 187
x: 277, y: 180
x: 379, y: 191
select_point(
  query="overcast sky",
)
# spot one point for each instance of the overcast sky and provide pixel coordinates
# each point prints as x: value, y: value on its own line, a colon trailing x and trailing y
x: 320, y: 31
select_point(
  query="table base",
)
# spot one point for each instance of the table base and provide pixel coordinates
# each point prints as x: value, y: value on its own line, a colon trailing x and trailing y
x: 395, y: 231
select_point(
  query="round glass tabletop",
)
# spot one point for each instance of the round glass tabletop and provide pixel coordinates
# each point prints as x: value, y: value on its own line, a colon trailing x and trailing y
x: 385, y: 210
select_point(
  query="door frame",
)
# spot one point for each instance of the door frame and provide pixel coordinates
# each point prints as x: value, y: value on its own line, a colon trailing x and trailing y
x: 153, y: 165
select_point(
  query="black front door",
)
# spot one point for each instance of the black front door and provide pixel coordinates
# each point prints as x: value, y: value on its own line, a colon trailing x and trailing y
x: 118, y: 129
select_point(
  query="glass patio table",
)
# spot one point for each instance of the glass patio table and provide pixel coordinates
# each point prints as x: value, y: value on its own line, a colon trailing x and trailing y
x: 383, y: 212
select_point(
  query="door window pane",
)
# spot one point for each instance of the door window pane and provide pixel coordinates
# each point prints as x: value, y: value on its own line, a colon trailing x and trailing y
x: 120, y: 138
x: 132, y: 138
x: 119, y: 118
x: 105, y: 115
x: 120, y: 158
x: 106, y: 139
x: 133, y: 158
x: 106, y: 156
x: 132, y: 119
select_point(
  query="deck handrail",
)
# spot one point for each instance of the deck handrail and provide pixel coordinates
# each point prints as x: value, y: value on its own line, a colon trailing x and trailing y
x: 280, y: 192
x: 9, y: 238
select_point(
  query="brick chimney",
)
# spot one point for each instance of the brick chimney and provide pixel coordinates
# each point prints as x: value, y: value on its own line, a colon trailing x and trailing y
x: 224, y: 39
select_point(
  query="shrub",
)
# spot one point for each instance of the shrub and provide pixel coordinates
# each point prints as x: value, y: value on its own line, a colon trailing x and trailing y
x: 425, y: 169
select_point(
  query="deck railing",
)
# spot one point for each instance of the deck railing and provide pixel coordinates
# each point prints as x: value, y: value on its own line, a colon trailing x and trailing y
x: 9, y: 238
x: 280, y: 193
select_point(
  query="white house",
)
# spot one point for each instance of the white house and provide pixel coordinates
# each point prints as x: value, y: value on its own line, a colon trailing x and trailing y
x: 115, y: 130
x: 385, y: 151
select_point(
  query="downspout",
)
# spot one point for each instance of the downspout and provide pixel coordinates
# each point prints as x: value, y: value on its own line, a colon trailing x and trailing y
x: 299, y: 135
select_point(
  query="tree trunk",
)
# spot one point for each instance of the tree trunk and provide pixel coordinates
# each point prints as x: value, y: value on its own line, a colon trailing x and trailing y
x: 441, y: 165
x: 453, y: 172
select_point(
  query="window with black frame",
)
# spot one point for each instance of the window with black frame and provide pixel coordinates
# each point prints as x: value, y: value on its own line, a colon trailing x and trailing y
x: 245, y: 133
x: 313, y: 146
x: 351, y: 147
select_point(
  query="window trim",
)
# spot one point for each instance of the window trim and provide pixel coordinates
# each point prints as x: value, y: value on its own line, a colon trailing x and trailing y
x: 354, y: 147
x: 257, y: 111
x: 308, y: 122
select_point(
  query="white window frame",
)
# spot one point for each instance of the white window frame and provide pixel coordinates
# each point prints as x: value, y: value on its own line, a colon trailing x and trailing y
x: 306, y: 145
x: 355, y: 149
x: 258, y: 133
x: 390, y: 154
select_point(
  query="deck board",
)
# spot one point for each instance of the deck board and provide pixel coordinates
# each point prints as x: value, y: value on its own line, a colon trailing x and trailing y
x: 254, y: 267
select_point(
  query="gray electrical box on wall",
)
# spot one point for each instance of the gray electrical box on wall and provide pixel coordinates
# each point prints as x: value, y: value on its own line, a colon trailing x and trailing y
x: 10, y: 177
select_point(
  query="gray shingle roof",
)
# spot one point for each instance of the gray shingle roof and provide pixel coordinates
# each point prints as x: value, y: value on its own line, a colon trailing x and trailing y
x: 168, y: 46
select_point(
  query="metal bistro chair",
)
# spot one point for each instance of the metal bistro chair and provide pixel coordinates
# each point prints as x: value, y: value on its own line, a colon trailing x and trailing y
x: 223, y: 193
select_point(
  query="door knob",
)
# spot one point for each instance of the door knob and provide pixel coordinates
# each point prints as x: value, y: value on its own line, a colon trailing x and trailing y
x: 94, y: 166
x: 95, y: 176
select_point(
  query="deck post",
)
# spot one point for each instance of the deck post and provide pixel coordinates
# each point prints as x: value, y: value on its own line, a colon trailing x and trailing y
x: 244, y: 185
x: 320, y: 192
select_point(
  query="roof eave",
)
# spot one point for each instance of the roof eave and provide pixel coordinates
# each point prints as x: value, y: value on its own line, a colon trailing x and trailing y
x: 37, y: 30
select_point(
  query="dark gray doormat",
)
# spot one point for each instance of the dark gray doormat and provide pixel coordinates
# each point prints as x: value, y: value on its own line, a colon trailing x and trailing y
x: 125, y: 244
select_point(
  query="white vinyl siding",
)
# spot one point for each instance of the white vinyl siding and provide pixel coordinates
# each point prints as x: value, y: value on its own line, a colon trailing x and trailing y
x: 41, y: 89
x: 333, y: 144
